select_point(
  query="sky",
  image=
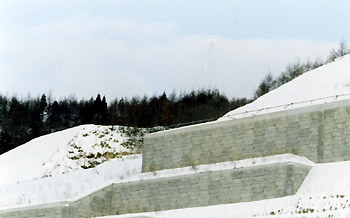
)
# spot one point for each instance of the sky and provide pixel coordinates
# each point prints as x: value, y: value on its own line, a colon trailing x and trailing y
x: 125, y: 48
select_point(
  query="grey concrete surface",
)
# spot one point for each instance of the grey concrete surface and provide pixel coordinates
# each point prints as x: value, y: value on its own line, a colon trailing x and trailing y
x: 319, y: 133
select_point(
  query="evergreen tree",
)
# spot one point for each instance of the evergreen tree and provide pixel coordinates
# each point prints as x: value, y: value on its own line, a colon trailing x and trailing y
x: 54, y: 117
x: 166, y: 114
x: 341, y: 51
x: 266, y: 85
x: 5, y: 142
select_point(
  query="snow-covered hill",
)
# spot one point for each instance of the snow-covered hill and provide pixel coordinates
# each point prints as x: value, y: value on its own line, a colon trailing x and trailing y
x: 54, y: 167
x: 327, y: 83
x: 65, y: 151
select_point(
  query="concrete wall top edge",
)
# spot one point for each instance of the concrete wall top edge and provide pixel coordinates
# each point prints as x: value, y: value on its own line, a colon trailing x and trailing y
x: 215, y: 124
x: 36, y: 206
x: 151, y: 176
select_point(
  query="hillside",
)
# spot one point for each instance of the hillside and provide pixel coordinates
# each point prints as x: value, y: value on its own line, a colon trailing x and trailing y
x: 29, y: 172
x: 73, y: 163
x: 328, y: 83
x: 65, y: 151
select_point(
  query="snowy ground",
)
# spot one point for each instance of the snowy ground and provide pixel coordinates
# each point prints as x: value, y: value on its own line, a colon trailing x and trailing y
x: 68, y: 187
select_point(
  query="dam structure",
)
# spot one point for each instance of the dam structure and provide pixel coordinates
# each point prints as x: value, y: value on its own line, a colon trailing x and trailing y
x: 318, y: 133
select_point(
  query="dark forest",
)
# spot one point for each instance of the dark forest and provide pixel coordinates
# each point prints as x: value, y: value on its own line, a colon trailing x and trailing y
x: 23, y: 120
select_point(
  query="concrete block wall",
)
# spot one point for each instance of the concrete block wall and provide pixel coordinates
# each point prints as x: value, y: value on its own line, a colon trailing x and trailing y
x: 201, y: 189
x: 53, y: 210
x: 94, y: 205
x: 319, y: 133
x: 209, y: 188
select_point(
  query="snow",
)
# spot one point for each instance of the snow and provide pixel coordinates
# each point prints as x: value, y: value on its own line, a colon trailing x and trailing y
x: 26, y: 161
x: 327, y: 83
x: 328, y: 174
x: 47, y: 169
x: 71, y: 186
x: 52, y: 154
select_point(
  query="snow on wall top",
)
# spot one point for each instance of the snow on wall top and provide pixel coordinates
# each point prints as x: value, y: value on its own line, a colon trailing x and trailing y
x: 328, y: 83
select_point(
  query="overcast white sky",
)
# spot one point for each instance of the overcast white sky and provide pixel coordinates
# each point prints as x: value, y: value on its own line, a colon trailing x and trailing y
x: 134, y: 47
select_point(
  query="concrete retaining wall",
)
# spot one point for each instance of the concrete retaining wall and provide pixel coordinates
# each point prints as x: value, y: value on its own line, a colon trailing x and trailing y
x: 200, y: 189
x: 320, y: 133
x: 54, y: 210
x: 209, y: 188
x: 94, y: 205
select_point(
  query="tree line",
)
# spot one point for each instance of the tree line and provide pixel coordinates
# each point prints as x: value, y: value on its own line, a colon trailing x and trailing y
x: 22, y: 120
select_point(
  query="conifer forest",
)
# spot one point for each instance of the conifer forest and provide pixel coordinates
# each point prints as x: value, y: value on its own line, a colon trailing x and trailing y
x: 24, y: 119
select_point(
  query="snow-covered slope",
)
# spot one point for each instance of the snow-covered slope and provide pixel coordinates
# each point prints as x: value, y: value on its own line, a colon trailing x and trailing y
x: 62, y: 152
x: 327, y: 83
x: 70, y: 186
